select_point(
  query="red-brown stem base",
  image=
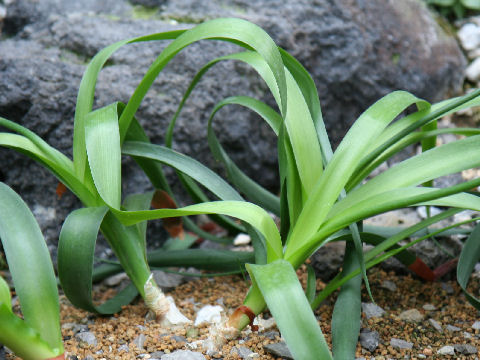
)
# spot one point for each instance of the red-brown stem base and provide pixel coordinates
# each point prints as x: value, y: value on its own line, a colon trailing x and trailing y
x: 59, y: 357
x: 238, y: 313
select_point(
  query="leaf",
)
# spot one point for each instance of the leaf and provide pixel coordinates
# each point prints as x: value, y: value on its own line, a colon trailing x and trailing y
x: 248, y: 212
x: 103, y: 149
x: 469, y: 257
x: 31, y: 267
x: 76, y: 248
x: 5, y: 296
x: 347, y: 311
x: 311, y: 284
x: 471, y: 4
x: 286, y: 301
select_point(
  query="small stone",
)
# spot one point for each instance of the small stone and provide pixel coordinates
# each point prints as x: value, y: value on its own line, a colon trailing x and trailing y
x: 241, y: 351
x: 465, y: 349
x: 448, y: 288
x: 139, y: 341
x: 210, y: 347
x: 429, y: 307
x: 167, y: 281
x: 89, y: 357
x: 469, y: 36
x: 209, y: 314
x: 179, y: 338
x: 421, y: 356
x: 389, y: 285
x: 427, y: 352
x: 372, y: 310
x: 271, y: 334
x: 400, y: 344
x: 156, y: 355
x: 123, y: 347
x: 369, y: 339
x: 412, y: 315
x: 467, y: 335
x: 476, y: 325
x: 422, y: 211
x: 280, y: 350
x: 183, y: 355
x: 242, y: 239
x: 452, y: 328
x: 115, y: 279
x: 436, y: 325
x: 87, y: 337
x: 446, y: 350
x: 264, y: 324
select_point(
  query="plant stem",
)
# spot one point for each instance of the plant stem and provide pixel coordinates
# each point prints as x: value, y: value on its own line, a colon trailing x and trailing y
x: 255, y: 302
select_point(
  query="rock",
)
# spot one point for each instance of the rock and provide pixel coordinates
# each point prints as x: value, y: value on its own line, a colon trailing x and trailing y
x: 469, y: 36
x: 372, y: 310
x: 156, y: 355
x: 447, y: 287
x: 369, y: 339
x: 422, y: 211
x: 264, y: 324
x: 473, y: 70
x: 435, y: 324
x: 452, y: 328
x: 327, y: 261
x: 167, y: 281
x: 139, y: 341
x: 209, y: 314
x: 242, y: 351
x: 279, y: 349
x: 242, y: 239
x: 429, y: 307
x: 446, y: 350
x: 476, y: 325
x: 412, y: 315
x: 389, y: 285
x: 183, y: 355
x: 272, y: 335
x: 465, y: 349
x: 115, y: 279
x: 467, y: 335
x: 123, y: 347
x: 400, y: 344
x: 355, y: 51
x: 87, y: 337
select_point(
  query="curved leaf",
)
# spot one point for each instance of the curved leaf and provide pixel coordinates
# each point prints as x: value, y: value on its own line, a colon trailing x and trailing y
x: 469, y: 257
x: 76, y: 248
x: 31, y: 267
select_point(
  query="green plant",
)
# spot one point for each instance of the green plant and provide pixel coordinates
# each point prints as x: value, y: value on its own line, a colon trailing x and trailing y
x: 37, y: 336
x: 457, y: 7
x: 323, y: 194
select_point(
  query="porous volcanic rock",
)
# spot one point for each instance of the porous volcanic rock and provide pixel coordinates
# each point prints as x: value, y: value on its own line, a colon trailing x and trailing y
x: 356, y: 51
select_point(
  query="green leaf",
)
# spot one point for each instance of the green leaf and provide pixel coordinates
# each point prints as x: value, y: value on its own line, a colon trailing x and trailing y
x: 24, y: 341
x: 31, y: 267
x: 311, y: 284
x: 469, y: 256
x: 5, y: 296
x: 286, y: 301
x: 76, y: 248
x: 104, y: 157
x: 347, y: 311
x: 248, y: 212
x: 471, y: 4
x: 340, y: 168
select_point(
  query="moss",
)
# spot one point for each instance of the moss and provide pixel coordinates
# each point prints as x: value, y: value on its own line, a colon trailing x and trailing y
x: 395, y: 58
x: 144, y: 13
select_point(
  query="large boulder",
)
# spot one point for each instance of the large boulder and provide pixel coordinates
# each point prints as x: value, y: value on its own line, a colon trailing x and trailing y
x: 357, y: 51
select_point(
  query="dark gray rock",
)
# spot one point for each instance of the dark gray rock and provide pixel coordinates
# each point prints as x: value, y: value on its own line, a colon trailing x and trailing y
x: 279, y: 349
x: 400, y: 344
x: 369, y: 339
x: 356, y: 51
x: 465, y: 349
x: 327, y: 261
x: 372, y: 310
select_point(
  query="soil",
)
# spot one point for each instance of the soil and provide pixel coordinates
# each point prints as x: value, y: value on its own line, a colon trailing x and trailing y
x: 449, y: 304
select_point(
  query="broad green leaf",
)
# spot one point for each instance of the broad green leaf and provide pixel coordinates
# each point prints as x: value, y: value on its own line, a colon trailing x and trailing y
x: 5, y: 296
x: 31, y: 267
x: 286, y: 301
x: 185, y: 164
x: 443, y: 160
x: 311, y: 284
x: 248, y: 212
x: 340, y: 168
x: 104, y: 157
x: 139, y: 202
x: 76, y: 248
x: 471, y: 4
x: 469, y: 257
x: 24, y: 341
